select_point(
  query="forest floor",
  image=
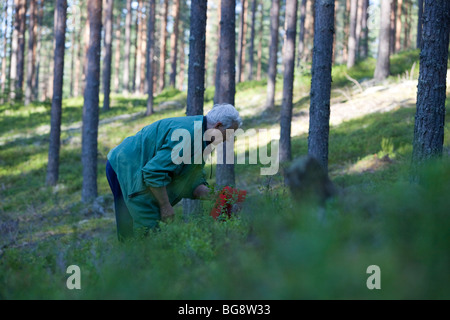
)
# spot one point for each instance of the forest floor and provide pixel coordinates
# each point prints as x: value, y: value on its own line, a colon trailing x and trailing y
x: 276, y: 249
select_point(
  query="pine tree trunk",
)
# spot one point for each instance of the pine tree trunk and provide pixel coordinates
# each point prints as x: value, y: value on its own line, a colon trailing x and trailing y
x: 319, y: 115
x: 14, y: 50
x: 46, y: 75
x: 346, y: 30
x: 382, y: 68
x: 136, y: 44
x: 31, y: 57
x: 117, y: 55
x: 407, y: 28
x: 352, y: 35
x: 126, y: 58
x: 40, y: 16
x: 5, y: 47
x: 359, y: 18
x: 150, y: 55
x: 273, y: 51
x: 86, y: 36
x: 21, y: 49
x: 56, y: 111
x: 288, y: 80
x: 174, y: 43
x: 419, y: 24
x: 301, y: 36
x: 431, y: 90
x: 217, y: 66
x: 336, y: 8
x: 227, y: 77
x: 163, y: 48
x: 91, y: 101
x: 260, y: 40
x: 181, y: 72
x: 143, y: 50
x: 364, y: 43
x: 108, y: 53
x: 241, y: 42
x: 72, y: 55
x: 196, y: 68
x: 78, y: 67
x: 228, y: 52
x: 251, y: 50
x: 196, y: 75
x: 393, y: 29
x: 309, y: 35
x: 398, y: 28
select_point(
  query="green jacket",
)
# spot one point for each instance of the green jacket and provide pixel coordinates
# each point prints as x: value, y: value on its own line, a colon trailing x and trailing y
x: 145, y: 160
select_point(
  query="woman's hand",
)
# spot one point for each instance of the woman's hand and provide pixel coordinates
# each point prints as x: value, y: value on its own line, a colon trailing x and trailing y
x: 165, y: 208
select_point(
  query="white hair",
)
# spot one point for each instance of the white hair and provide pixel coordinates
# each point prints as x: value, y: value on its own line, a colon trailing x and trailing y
x: 224, y: 113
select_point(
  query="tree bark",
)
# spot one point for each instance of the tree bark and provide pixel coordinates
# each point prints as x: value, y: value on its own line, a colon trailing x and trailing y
x: 431, y: 90
x: 393, y: 29
x: 117, y: 55
x: 273, y: 51
x: 364, y: 43
x: 309, y: 30
x: 288, y: 80
x: 242, y: 42
x: 181, y: 72
x: 301, y: 36
x: 196, y: 75
x: 21, y: 50
x: 136, y: 44
x: 91, y: 101
x: 398, y: 28
x: 163, y: 48
x: 407, y: 25
x: 217, y: 72
x: 251, y: 50
x: 72, y: 54
x: 196, y: 68
x: 5, y: 48
x: 126, y: 58
x: 260, y: 38
x: 319, y: 115
x: 14, y: 50
x: 352, y: 35
x: 38, y: 49
x: 86, y: 34
x: 383, y: 66
x: 108, y: 53
x: 419, y: 24
x: 143, y: 49
x: 31, y: 52
x: 346, y: 30
x: 359, y: 18
x: 150, y: 55
x: 174, y: 43
x: 56, y: 111
x: 78, y: 66
x: 227, y: 78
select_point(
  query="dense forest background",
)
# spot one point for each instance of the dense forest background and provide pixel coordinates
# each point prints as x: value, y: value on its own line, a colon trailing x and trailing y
x: 27, y: 31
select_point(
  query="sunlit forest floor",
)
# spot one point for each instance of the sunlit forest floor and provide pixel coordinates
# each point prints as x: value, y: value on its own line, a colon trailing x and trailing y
x: 275, y: 248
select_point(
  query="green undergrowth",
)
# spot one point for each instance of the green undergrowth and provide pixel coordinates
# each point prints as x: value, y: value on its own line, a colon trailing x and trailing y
x: 277, y: 247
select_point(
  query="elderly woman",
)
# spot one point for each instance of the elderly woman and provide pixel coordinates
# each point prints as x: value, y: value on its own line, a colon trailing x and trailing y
x: 146, y: 181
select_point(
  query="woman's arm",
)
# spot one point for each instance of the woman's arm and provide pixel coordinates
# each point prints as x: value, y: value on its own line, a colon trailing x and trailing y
x: 165, y: 207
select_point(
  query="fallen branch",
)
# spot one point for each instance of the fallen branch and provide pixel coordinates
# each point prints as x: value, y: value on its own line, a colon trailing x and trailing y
x: 354, y: 81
